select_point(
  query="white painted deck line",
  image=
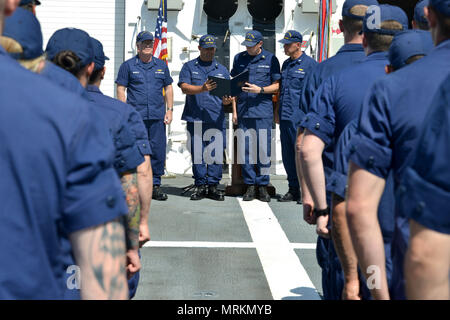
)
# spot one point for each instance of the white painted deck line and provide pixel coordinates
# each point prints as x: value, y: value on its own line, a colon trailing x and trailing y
x: 286, y: 276
x: 206, y: 244
x: 198, y: 244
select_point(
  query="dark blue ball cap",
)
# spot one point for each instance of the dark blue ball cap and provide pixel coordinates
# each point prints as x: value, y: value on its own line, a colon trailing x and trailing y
x: 291, y: 36
x: 377, y: 14
x: 419, y: 12
x: 99, y: 54
x: 143, y: 36
x: 349, y: 4
x: 24, y: 2
x: 443, y: 6
x: 207, y: 41
x: 24, y: 27
x: 407, y: 44
x: 252, y: 38
x: 71, y: 39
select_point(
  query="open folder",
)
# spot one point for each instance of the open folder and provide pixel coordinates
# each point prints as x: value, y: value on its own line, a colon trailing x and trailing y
x: 229, y: 87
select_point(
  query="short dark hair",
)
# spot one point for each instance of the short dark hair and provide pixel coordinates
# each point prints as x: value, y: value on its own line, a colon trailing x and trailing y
x: 414, y: 58
x: 95, y: 76
x: 69, y: 61
x: 29, y: 6
x: 422, y: 25
x: 351, y: 25
x: 411, y: 60
x: 382, y: 42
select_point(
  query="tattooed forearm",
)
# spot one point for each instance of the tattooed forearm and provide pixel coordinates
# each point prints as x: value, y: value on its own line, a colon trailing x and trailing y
x: 130, y: 187
x: 101, y: 254
x: 107, y: 256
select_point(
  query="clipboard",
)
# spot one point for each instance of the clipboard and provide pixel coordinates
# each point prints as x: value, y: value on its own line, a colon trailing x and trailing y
x: 229, y: 87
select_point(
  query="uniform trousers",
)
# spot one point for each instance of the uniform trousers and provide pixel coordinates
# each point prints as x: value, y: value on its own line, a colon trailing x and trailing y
x: 156, y: 130
x: 255, y: 145
x: 288, y: 137
x: 207, y: 156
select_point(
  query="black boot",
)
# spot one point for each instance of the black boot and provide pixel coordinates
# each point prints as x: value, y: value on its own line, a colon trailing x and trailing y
x: 199, y: 193
x: 214, y: 193
x: 292, y: 195
x: 250, y: 193
x: 158, y: 194
x: 263, y: 194
x: 299, y: 200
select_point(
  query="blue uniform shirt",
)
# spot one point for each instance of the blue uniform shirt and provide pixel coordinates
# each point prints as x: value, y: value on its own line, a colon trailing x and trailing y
x: 393, y: 113
x: 338, y: 183
x: 57, y: 178
x: 145, y: 83
x: 204, y: 106
x: 388, y: 129
x: 264, y: 70
x: 424, y: 194
x: 293, y: 74
x: 129, y: 154
x: 339, y: 98
x: 348, y: 55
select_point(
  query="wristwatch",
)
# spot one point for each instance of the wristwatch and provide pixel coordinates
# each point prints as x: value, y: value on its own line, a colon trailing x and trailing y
x: 169, y: 109
x: 324, y: 212
x: 262, y: 90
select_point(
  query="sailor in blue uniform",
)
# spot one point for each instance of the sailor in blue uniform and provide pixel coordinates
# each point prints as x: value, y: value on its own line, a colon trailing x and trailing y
x: 71, y: 44
x: 388, y: 131
x: 425, y: 200
x: 350, y: 53
x: 255, y: 112
x: 338, y: 101
x: 140, y: 176
x: 58, y: 181
x: 204, y: 113
x: 293, y: 73
x: 135, y: 121
x: 407, y: 47
x: 148, y: 86
x: 24, y: 28
x: 420, y: 21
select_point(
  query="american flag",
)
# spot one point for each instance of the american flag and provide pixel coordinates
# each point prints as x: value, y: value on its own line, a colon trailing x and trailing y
x: 160, y: 44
